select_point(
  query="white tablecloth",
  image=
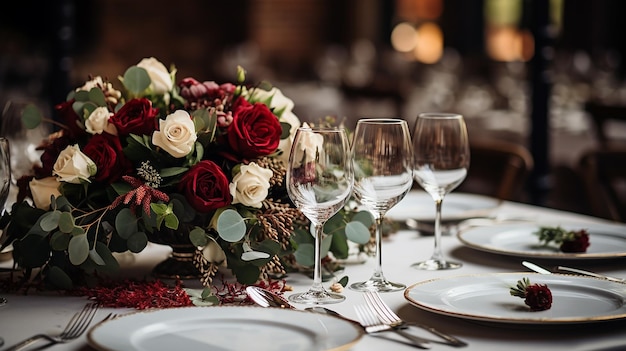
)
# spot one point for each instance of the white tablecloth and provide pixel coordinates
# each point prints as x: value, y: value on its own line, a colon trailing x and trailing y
x: 26, y: 315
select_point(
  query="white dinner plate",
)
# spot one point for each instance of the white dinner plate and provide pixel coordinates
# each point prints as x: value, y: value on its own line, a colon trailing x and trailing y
x: 575, y: 299
x: 605, y: 240
x: 420, y: 206
x: 224, y: 328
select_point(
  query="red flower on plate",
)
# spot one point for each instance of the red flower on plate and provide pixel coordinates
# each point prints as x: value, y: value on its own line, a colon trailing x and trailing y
x: 537, y: 296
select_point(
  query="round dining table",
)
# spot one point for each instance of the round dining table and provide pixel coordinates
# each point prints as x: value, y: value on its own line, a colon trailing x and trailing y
x: 48, y: 312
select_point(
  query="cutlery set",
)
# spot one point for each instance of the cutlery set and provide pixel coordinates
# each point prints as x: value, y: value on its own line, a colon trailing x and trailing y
x: 374, y: 318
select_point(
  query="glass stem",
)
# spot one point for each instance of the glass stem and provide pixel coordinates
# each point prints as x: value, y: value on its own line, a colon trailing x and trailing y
x: 378, y: 271
x: 317, y: 273
x: 437, y: 255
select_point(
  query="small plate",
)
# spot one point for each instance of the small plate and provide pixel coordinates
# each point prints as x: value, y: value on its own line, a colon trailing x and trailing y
x: 575, y: 299
x: 224, y: 328
x: 606, y: 240
x: 420, y: 206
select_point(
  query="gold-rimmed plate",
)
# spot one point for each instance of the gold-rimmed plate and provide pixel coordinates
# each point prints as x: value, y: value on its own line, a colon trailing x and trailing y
x: 224, y: 328
x: 607, y: 241
x: 486, y: 298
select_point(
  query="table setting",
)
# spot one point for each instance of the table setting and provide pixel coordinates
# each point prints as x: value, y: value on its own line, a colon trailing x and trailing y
x: 228, y: 225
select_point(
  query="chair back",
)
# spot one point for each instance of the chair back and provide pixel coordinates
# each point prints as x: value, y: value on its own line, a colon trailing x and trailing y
x: 604, y: 175
x: 498, y: 168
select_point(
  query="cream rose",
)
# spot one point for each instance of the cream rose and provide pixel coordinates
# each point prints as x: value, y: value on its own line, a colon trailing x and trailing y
x: 274, y: 98
x: 72, y: 165
x: 159, y: 75
x: 285, y: 144
x: 98, y: 122
x: 306, y: 150
x: 212, y: 252
x: 251, y: 185
x: 176, y: 134
x: 42, y: 190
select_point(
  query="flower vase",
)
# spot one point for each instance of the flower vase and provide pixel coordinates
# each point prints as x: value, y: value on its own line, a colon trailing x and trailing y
x: 180, y: 264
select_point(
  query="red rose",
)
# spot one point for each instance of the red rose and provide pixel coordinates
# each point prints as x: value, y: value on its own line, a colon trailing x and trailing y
x: 205, y: 187
x: 51, y: 150
x: 71, y: 120
x: 578, y: 242
x: 255, y: 130
x: 105, y: 150
x: 137, y: 117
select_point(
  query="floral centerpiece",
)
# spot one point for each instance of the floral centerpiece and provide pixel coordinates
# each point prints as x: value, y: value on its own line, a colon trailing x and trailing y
x: 166, y: 162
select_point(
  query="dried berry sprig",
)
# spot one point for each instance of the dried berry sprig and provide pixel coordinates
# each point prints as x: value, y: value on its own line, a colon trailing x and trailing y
x: 536, y: 296
x: 568, y: 240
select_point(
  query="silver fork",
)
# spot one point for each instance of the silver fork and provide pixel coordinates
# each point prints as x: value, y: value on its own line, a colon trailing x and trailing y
x: 389, y: 317
x: 74, y: 328
x: 372, y: 324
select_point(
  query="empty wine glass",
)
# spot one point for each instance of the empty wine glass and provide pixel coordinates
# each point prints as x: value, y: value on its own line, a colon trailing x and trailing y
x: 319, y: 182
x: 382, y: 156
x: 442, y: 157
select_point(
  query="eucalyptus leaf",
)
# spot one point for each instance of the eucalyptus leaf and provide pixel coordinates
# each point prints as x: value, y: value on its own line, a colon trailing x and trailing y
x: 97, y: 96
x: 357, y: 232
x: 78, y: 249
x: 136, y: 79
x: 305, y: 254
x: 198, y: 237
x: 50, y: 220
x: 137, y: 242
x: 59, y: 241
x: 343, y: 281
x: 231, y: 226
x: 81, y: 95
x: 172, y: 171
x: 96, y: 258
x: 326, y: 242
x: 58, y: 278
x: 62, y: 204
x: 364, y: 217
x: 125, y: 223
x: 31, y: 116
x: 286, y: 132
x: 66, y: 222
x: 254, y: 255
x: 110, y: 263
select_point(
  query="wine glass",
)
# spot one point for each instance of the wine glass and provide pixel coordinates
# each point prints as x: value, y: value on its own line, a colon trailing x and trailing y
x: 382, y: 156
x: 319, y: 182
x: 442, y: 157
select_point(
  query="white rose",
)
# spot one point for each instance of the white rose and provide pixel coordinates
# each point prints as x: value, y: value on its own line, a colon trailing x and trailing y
x: 306, y: 150
x: 285, y: 144
x: 96, y: 82
x: 251, y: 185
x: 213, y: 252
x: 72, y: 165
x: 42, y: 189
x: 273, y: 98
x: 176, y: 134
x: 98, y: 122
x: 159, y: 75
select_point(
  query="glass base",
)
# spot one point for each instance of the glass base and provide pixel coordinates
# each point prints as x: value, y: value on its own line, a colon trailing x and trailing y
x: 313, y: 297
x: 436, y: 265
x: 377, y: 285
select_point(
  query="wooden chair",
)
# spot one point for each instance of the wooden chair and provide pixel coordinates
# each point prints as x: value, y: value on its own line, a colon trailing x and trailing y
x: 601, y: 114
x: 498, y: 168
x: 604, y: 175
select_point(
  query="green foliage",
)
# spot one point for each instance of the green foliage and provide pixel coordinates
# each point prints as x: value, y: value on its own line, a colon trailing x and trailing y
x: 136, y: 80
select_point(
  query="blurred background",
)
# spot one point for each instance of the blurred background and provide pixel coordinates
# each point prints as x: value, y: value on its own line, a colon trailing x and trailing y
x: 521, y: 71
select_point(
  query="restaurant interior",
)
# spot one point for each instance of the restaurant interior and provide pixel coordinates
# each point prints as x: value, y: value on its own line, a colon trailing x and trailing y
x: 542, y: 76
